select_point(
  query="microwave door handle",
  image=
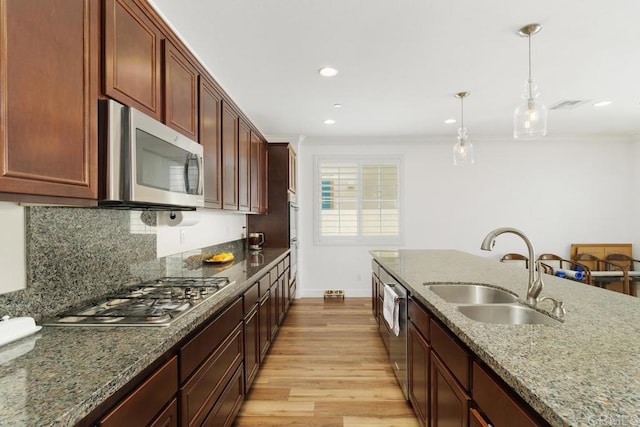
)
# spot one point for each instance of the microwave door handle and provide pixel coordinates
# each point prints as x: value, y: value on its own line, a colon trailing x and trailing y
x: 187, y: 169
x: 200, y: 175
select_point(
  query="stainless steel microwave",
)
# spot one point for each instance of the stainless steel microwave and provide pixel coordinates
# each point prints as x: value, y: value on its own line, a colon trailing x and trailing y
x: 146, y: 164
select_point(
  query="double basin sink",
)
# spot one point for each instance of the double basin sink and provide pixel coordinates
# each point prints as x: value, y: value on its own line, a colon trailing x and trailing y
x: 490, y: 305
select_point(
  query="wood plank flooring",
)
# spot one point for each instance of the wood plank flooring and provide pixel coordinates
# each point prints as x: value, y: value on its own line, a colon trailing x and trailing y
x: 327, y: 367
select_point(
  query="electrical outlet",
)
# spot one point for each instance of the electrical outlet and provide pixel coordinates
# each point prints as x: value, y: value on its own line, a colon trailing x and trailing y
x: 182, y: 237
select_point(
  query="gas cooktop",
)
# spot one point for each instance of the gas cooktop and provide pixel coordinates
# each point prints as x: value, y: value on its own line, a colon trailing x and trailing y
x: 156, y: 303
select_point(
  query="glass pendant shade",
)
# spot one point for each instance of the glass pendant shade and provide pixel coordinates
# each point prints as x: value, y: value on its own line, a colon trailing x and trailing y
x: 530, y: 116
x: 463, y: 149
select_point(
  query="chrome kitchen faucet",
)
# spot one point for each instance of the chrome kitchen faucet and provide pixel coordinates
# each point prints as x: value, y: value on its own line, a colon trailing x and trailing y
x: 535, y: 285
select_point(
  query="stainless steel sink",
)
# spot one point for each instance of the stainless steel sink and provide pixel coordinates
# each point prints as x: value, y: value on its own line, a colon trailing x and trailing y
x: 472, y: 294
x: 509, y: 314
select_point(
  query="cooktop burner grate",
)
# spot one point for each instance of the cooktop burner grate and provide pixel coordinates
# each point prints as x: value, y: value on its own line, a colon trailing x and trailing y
x: 155, y: 303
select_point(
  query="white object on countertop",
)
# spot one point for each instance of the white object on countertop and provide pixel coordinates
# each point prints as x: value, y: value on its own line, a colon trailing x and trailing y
x: 14, y: 328
x: 391, y: 309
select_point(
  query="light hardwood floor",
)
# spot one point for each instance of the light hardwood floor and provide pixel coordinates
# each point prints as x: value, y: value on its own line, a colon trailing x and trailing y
x: 327, y: 367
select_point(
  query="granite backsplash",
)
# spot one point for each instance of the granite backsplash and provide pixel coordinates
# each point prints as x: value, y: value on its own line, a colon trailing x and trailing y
x: 76, y: 255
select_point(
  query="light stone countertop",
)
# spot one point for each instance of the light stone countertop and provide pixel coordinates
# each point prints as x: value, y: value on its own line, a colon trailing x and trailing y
x: 585, y: 371
x: 71, y: 370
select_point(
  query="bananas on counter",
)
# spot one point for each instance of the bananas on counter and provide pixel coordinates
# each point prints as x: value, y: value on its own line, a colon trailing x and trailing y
x: 222, y: 257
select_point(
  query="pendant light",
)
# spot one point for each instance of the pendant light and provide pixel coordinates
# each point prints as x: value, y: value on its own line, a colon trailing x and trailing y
x: 530, y: 116
x: 463, y: 150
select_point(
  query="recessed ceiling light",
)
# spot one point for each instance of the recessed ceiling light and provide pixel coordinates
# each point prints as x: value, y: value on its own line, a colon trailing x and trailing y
x: 329, y: 122
x: 328, y: 72
x: 337, y: 105
x: 602, y: 103
x: 450, y: 121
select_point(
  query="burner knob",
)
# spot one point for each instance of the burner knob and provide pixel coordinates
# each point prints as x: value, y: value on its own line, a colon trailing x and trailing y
x: 188, y: 292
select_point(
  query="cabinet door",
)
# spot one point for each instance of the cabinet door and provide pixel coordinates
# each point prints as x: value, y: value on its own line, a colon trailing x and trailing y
x: 132, y: 57
x: 264, y: 313
x: 251, y: 346
x: 229, y: 158
x: 181, y: 92
x: 210, y: 138
x: 264, y: 176
x: 449, y: 401
x: 244, y: 180
x: 418, y: 355
x: 48, y: 99
x: 274, y: 320
x: 374, y: 296
x: 256, y: 173
x: 168, y: 417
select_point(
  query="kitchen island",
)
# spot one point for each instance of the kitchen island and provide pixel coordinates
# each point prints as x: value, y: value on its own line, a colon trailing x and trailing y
x: 65, y: 373
x: 584, y: 371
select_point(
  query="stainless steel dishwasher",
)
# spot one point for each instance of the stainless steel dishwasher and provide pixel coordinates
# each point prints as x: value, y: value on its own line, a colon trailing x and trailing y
x: 398, y: 343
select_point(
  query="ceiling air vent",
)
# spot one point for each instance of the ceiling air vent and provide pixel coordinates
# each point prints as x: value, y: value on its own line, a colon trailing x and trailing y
x: 568, y: 104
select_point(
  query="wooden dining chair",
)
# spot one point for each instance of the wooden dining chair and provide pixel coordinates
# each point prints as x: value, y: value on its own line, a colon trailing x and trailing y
x: 628, y: 262
x: 551, y: 262
x: 515, y: 257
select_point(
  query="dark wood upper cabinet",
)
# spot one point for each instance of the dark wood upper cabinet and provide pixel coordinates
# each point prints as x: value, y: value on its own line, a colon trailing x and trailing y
x: 258, y: 174
x: 132, y: 57
x: 210, y: 138
x: 48, y: 100
x: 230, y: 121
x: 181, y: 92
x: 244, y: 154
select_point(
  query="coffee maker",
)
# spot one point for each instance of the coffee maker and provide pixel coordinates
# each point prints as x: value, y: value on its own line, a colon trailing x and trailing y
x: 255, y: 241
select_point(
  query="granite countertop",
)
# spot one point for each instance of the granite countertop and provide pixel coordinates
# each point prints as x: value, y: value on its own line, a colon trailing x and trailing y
x: 71, y: 370
x: 584, y: 371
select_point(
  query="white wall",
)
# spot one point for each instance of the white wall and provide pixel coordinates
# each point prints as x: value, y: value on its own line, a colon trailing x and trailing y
x: 210, y: 228
x: 558, y: 192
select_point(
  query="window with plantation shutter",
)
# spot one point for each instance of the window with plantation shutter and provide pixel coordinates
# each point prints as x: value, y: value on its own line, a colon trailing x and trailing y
x: 358, y: 200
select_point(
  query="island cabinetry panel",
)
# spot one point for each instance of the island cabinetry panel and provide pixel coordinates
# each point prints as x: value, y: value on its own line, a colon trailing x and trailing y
x: 144, y: 405
x: 418, y: 355
x: 449, y: 401
x: 132, y: 57
x: 181, y: 92
x: 230, y: 123
x: 208, y: 363
x: 498, y: 403
x: 49, y: 83
x: 211, y: 141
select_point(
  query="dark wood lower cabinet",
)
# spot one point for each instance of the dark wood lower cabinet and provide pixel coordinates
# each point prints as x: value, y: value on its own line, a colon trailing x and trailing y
x: 169, y: 417
x: 227, y: 407
x: 264, y: 314
x: 251, y: 346
x: 449, y: 401
x: 476, y: 419
x: 419, y: 353
x: 144, y: 405
x: 200, y: 394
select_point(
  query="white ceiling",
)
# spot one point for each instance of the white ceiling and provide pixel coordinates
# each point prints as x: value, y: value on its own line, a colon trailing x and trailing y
x: 402, y: 61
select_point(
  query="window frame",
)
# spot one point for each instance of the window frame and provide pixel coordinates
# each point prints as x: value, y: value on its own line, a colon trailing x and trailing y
x: 358, y: 239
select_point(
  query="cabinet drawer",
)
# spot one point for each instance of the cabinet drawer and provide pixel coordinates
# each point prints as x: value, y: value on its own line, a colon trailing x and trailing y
x: 265, y: 284
x: 497, y: 403
x: 196, y: 351
x: 280, y: 269
x: 202, y: 391
x: 287, y: 262
x: 420, y: 318
x: 251, y: 297
x: 454, y: 356
x: 225, y: 411
x: 168, y: 417
x: 145, y: 402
